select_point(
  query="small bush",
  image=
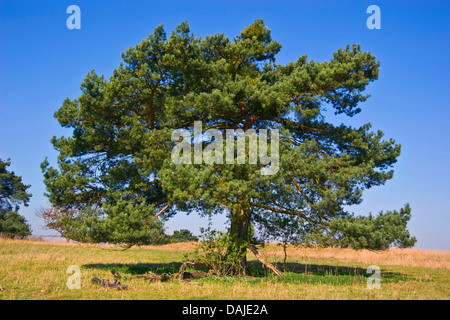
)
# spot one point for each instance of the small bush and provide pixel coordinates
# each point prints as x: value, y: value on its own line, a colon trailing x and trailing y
x: 218, y: 252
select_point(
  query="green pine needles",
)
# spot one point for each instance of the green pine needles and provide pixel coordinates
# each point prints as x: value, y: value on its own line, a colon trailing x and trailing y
x: 13, y: 193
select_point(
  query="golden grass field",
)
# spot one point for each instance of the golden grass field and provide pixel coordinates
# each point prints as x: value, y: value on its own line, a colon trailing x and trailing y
x: 37, y: 270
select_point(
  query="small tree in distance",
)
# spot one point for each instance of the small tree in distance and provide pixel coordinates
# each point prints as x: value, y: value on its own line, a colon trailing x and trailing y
x: 183, y: 235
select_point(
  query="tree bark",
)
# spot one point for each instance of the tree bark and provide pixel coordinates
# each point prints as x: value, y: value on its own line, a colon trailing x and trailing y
x: 240, y: 237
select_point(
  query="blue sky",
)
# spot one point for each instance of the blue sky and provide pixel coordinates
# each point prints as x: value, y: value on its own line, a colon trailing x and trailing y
x: 42, y: 62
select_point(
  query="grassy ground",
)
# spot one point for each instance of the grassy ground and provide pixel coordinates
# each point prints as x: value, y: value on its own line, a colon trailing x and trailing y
x: 37, y: 270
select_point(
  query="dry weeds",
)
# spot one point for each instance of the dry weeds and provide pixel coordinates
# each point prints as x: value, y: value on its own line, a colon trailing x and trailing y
x: 396, y: 257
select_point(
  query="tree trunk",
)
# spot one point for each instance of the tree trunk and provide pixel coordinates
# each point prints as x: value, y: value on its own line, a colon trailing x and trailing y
x: 240, y: 237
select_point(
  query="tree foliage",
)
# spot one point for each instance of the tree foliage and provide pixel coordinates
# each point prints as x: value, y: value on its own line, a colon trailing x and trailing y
x: 126, y: 224
x: 13, y: 225
x: 12, y: 195
x: 372, y: 232
x: 183, y: 235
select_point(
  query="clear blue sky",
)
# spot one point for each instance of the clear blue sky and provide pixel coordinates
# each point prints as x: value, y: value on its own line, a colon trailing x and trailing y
x: 42, y: 62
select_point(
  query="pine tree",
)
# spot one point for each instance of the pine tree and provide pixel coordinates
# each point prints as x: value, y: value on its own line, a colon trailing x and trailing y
x: 183, y: 235
x: 116, y: 168
x: 12, y: 195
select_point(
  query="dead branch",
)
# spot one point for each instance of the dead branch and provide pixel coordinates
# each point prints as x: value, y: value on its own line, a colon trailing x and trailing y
x: 183, y: 277
x: 253, y: 249
x: 182, y: 267
x: 161, y: 211
x: 113, y: 284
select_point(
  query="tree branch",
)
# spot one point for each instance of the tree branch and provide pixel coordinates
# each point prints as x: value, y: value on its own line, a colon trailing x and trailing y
x: 290, y: 212
x: 161, y: 211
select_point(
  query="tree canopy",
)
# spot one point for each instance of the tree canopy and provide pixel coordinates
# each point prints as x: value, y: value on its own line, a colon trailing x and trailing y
x: 13, y: 193
x: 116, y: 167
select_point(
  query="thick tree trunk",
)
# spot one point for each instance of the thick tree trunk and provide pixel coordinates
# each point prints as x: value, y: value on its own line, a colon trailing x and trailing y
x: 240, y: 237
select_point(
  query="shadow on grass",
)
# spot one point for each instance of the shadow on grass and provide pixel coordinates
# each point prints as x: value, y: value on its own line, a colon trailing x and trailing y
x: 294, y: 271
x: 313, y: 269
x: 137, y: 268
x: 318, y: 270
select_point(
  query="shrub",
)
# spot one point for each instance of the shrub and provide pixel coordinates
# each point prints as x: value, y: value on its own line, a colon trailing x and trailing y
x: 218, y: 252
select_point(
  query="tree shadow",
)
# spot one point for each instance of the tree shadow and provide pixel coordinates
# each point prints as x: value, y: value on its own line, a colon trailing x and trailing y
x: 136, y: 268
x: 324, y: 270
x: 255, y: 268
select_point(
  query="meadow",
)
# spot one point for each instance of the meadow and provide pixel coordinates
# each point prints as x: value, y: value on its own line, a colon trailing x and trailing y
x: 37, y: 270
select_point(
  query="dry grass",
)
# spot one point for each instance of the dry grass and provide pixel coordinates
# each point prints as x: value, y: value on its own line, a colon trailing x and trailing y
x: 394, y: 257
x: 183, y: 246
